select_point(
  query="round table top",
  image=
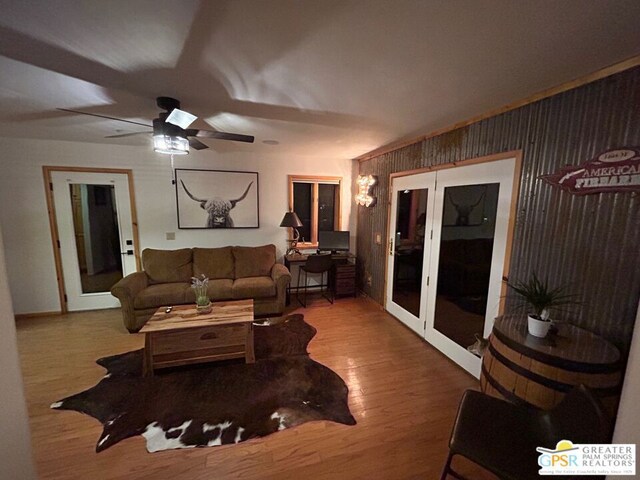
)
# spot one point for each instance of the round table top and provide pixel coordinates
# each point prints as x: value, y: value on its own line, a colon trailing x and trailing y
x: 570, y: 345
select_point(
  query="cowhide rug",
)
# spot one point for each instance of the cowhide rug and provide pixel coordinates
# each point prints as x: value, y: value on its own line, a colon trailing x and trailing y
x: 216, y: 403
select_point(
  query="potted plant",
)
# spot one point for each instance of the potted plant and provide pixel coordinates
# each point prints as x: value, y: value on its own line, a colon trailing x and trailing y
x: 199, y: 285
x: 541, y: 299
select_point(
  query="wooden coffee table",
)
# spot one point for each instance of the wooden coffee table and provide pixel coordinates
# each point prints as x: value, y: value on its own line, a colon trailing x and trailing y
x: 185, y: 337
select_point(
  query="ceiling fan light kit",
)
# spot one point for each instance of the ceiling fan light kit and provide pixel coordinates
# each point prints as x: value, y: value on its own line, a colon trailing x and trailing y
x: 171, y: 145
x: 168, y: 138
x: 169, y: 135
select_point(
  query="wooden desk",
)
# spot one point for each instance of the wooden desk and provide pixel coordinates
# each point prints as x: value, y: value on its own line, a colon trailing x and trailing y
x: 295, y: 258
x: 342, y: 278
x: 540, y: 371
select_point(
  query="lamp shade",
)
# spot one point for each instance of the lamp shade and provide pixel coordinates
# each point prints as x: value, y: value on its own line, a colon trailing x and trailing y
x: 290, y: 219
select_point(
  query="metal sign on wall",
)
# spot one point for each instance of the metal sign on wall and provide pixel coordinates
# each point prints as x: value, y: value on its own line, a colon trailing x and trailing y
x: 612, y: 171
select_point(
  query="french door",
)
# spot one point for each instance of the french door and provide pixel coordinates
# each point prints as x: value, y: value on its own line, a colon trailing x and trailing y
x: 408, y: 259
x: 95, y: 230
x: 464, y: 249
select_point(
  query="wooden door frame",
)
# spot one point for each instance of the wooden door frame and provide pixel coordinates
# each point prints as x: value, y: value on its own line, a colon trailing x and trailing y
x: 53, y: 224
x: 517, y: 154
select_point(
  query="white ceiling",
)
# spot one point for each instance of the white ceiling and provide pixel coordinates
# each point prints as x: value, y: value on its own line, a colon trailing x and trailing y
x: 324, y: 78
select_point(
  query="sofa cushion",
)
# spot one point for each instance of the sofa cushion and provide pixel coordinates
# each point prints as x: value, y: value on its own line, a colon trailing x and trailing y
x: 162, y: 294
x: 253, y: 287
x: 213, y: 262
x: 166, y: 266
x: 220, y: 289
x: 254, y: 261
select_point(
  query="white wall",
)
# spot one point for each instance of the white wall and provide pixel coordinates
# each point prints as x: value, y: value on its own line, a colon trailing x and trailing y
x: 628, y: 421
x: 15, y: 443
x: 23, y: 216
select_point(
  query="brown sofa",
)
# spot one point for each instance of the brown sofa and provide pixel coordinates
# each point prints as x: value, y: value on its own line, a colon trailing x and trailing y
x: 234, y: 273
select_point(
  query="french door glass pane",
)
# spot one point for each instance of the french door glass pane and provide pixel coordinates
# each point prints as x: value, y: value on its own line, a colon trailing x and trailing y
x: 95, y: 225
x: 326, y: 206
x: 466, y: 247
x: 302, y: 206
x: 409, y: 249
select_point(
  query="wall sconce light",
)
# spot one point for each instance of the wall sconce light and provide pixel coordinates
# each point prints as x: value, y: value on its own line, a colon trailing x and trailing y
x: 364, y: 197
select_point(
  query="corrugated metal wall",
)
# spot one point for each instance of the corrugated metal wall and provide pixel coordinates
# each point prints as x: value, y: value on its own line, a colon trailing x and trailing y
x: 591, y: 243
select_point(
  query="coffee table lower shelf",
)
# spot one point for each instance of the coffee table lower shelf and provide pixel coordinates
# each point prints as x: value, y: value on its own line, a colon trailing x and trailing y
x: 174, y: 347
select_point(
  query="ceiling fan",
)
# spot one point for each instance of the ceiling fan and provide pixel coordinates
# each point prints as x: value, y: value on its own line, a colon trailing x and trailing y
x: 171, y: 132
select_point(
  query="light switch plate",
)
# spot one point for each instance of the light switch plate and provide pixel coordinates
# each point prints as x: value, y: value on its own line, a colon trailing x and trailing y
x: 170, y: 235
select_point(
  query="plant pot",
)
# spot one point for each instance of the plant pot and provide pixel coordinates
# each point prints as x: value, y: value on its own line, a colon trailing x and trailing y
x: 538, y: 328
x: 204, y: 309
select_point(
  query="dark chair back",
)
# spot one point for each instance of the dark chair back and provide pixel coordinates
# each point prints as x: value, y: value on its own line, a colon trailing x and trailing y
x: 318, y: 263
x: 579, y: 417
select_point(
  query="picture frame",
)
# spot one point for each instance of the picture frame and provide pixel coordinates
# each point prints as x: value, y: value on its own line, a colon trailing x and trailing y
x: 212, y: 199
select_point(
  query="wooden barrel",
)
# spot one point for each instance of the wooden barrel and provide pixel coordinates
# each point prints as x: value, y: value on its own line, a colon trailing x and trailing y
x: 524, y: 369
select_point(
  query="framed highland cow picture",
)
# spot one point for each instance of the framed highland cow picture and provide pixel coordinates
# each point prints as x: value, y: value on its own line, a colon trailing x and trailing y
x: 217, y: 199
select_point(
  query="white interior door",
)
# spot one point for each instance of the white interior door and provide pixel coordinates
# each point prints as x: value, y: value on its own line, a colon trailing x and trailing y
x: 470, y: 229
x: 407, y: 260
x: 95, y: 229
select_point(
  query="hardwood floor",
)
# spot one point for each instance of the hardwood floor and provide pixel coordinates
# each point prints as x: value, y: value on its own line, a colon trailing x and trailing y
x: 403, y: 393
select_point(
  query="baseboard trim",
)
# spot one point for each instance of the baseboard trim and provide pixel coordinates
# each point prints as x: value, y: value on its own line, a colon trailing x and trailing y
x: 25, y: 316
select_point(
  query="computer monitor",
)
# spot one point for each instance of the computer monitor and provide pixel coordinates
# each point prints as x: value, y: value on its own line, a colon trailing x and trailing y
x: 334, y: 241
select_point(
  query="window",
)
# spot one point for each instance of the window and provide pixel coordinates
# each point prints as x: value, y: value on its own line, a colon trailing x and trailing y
x: 316, y: 201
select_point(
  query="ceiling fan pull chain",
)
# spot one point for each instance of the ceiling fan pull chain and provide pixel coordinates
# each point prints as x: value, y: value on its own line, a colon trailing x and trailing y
x: 173, y: 172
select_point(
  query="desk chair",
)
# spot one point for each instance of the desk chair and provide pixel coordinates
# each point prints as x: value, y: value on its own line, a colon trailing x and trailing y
x: 502, y: 437
x: 315, y: 264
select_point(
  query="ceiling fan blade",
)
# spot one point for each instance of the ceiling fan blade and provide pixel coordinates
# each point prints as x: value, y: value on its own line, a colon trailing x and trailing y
x: 103, y: 116
x: 220, y: 135
x: 180, y: 118
x: 197, y: 144
x: 130, y: 134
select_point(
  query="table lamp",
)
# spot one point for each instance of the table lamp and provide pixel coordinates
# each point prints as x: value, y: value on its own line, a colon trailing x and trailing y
x: 291, y: 220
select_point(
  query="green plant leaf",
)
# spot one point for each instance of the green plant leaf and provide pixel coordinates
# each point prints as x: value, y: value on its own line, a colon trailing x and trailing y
x: 539, y: 296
